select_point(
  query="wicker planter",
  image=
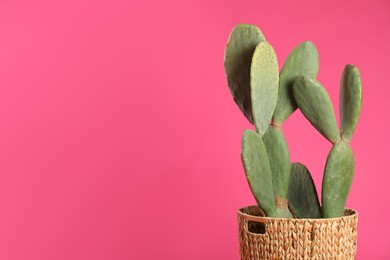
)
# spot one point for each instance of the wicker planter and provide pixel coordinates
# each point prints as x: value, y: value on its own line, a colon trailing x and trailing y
x: 263, y: 238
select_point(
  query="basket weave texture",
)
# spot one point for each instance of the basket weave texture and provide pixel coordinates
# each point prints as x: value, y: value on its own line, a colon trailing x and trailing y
x: 263, y: 238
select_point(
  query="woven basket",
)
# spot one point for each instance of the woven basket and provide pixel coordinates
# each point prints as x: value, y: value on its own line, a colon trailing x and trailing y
x: 263, y: 238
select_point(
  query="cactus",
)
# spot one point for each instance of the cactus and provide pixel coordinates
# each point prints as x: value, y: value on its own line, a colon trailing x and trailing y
x: 264, y: 85
x: 279, y: 160
x: 315, y: 104
x: 350, y: 101
x: 238, y: 58
x: 267, y: 98
x: 303, y: 60
x: 340, y: 164
x: 302, y: 194
x: 258, y: 172
x: 337, y: 180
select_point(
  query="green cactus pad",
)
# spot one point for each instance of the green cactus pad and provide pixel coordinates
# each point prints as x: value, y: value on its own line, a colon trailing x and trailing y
x: 316, y: 106
x: 255, y: 160
x: 238, y: 58
x: 350, y: 101
x: 302, y: 194
x: 264, y: 85
x: 303, y: 60
x: 337, y: 181
x: 279, y: 160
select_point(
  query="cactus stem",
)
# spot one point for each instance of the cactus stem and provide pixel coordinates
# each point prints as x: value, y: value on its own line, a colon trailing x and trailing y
x: 334, y: 142
x: 280, y: 203
x: 282, y: 208
x: 276, y: 124
x: 345, y: 139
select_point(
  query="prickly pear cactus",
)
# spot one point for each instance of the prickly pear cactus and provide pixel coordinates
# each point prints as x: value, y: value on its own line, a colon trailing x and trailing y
x: 264, y: 85
x: 238, y: 59
x: 315, y: 104
x: 338, y: 176
x: 267, y: 98
x: 350, y: 101
x: 258, y: 172
x: 340, y: 164
x: 302, y: 61
x: 302, y: 194
x: 279, y: 160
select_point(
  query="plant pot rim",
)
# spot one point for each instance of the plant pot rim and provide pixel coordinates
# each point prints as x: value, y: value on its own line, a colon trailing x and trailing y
x: 348, y: 213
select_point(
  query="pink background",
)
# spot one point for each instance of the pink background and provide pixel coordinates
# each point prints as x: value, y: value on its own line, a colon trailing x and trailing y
x: 119, y: 138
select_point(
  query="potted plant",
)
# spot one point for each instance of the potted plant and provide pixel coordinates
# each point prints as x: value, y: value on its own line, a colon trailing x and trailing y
x: 289, y: 222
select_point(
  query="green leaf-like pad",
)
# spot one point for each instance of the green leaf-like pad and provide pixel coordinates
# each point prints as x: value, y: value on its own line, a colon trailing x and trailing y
x: 338, y: 176
x: 302, y: 194
x: 279, y: 160
x: 255, y: 160
x: 303, y: 60
x: 264, y: 85
x: 238, y: 58
x: 316, y: 106
x: 350, y: 101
